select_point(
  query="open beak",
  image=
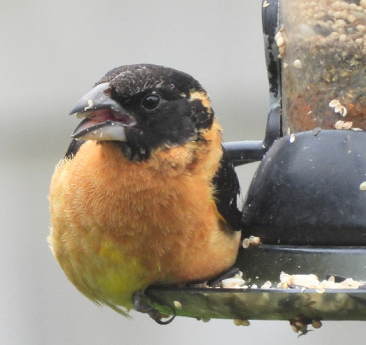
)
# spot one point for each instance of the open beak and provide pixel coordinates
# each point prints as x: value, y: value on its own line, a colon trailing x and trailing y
x: 103, y: 118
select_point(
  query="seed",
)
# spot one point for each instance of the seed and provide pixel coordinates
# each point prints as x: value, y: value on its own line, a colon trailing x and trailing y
x: 361, y: 28
x: 342, y: 38
x: 241, y: 322
x: 359, y: 41
x: 338, y: 108
x: 352, y: 6
x: 278, y: 35
x: 297, y: 63
x: 345, y: 5
x: 351, y: 18
x: 347, y: 125
x: 363, y: 186
x: 266, y: 285
x: 334, y: 103
x: 254, y: 240
x: 334, y: 35
x: 316, y: 324
x: 292, y: 137
x: 340, y: 22
x: 280, y: 41
x: 237, y: 322
x: 310, y: 13
x: 344, y: 14
x: 339, y: 124
x: 246, y: 243
x: 343, y: 111
x: 177, y: 304
x: 245, y: 323
x: 232, y: 283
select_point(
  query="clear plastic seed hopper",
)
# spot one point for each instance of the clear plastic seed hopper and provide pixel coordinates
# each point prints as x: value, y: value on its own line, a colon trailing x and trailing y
x: 307, y: 200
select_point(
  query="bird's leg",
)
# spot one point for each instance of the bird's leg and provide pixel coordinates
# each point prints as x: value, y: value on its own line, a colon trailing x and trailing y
x: 142, y: 305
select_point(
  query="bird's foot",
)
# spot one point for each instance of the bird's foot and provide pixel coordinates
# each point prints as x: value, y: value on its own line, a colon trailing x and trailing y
x: 142, y: 305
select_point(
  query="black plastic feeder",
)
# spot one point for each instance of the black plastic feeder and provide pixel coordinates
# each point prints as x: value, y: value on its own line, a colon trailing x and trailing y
x: 307, y: 200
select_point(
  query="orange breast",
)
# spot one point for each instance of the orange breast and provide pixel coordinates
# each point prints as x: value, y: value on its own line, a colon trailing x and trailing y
x: 119, y: 226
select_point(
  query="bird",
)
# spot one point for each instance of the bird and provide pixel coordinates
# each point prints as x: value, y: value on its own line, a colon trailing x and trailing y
x: 146, y: 194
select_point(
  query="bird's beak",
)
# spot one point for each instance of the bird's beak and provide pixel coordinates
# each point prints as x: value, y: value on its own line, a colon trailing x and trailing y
x: 103, y: 118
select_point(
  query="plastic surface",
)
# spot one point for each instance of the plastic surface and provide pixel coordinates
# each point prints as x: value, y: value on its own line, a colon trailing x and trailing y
x: 263, y: 263
x: 261, y: 304
x: 306, y: 191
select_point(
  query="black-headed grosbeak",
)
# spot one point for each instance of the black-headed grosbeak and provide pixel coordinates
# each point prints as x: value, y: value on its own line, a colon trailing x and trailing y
x: 146, y: 193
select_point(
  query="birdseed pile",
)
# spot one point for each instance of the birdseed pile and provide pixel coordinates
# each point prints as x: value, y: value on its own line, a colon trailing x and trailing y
x: 322, y: 46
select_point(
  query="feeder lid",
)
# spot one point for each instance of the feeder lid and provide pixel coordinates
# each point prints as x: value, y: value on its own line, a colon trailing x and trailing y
x: 309, y: 190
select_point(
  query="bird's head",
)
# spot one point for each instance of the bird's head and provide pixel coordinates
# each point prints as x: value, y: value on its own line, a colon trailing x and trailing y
x: 142, y: 108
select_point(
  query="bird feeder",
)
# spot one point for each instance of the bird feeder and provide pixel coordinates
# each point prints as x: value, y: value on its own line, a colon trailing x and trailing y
x: 307, y: 199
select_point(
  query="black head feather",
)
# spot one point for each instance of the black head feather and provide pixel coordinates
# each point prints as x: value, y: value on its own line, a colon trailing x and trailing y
x: 168, y: 107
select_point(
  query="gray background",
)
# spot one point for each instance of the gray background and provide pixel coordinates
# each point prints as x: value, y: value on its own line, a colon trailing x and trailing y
x: 51, y: 54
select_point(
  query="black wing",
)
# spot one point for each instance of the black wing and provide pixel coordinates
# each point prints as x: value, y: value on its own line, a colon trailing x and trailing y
x: 227, y: 190
x: 74, y: 148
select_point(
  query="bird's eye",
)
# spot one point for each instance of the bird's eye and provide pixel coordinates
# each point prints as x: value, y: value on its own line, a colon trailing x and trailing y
x: 151, y: 102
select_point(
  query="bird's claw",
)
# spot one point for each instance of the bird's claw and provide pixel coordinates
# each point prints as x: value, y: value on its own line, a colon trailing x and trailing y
x: 158, y: 317
x: 142, y: 305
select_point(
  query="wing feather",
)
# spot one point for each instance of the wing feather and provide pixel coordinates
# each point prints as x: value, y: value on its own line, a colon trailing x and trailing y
x: 227, y: 192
